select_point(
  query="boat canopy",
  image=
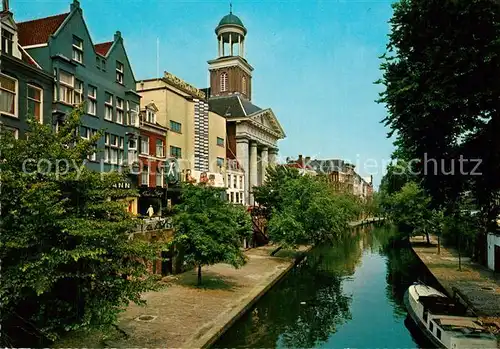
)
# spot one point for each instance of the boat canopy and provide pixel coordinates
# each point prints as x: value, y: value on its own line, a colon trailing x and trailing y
x: 441, y: 305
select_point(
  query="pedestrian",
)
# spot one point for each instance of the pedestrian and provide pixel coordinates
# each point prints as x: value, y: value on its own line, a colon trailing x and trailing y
x: 150, y: 211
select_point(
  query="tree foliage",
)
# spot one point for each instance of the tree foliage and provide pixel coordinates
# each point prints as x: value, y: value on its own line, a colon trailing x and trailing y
x: 303, y: 209
x: 67, y: 260
x: 443, y: 97
x: 209, y: 229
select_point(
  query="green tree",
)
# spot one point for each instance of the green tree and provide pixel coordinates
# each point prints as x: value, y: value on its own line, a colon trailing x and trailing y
x: 410, y: 210
x: 442, y: 96
x: 209, y: 229
x: 67, y: 260
x: 303, y: 209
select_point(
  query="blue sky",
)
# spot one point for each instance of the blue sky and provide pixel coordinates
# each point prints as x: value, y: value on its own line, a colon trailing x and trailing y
x: 315, y: 61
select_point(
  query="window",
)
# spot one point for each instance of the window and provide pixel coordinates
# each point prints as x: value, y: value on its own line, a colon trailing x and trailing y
x: 108, y: 107
x: 241, y: 182
x: 133, y: 112
x: 175, y: 152
x: 35, y: 102
x: 220, y: 162
x: 103, y: 65
x: 159, y: 176
x: 86, y: 133
x: 106, y: 138
x: 8, y: 95
x: 13, y: 131
x: 223, y: 82
x: 431, y: 326
x: 119, y: 72
x: 220, y: 142
x: 7, y: 42
x: 132, y: 151
x: 244, y: 85
x: 121, y: 142
x: 78, y: 92
x: 145, y: 145
x: 98, y: 62
x: 119, y: 110
x: 66, y: 86
x: 159, y: 148
x: 145, y: 175
x: 92, y: 100
x: 229, y: 181
x: 235, y: 184
x: 113, y: 155
x: 77, y: 49
x: 175, y: 126
x: 438, y: 333
x: 150, y: 116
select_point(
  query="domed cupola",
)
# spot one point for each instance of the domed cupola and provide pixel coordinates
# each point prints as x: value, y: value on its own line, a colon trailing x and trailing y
x: 231, y: 32
x: 230, y: 73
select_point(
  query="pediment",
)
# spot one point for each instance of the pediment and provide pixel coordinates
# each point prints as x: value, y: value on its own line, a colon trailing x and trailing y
x: 266, y: 119
x: 8, y: 21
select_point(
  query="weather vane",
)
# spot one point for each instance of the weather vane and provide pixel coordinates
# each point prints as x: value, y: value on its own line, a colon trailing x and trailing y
x: 230, y: 7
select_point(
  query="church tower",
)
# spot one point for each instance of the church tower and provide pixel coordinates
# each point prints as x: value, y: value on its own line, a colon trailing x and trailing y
x: 230, y: 73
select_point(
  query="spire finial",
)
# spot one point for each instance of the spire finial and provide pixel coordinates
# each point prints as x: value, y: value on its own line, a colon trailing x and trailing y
x: 230, y: 8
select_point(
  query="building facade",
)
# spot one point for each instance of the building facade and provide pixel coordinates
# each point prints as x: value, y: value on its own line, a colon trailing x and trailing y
x: 343, y: 177
x: 252, y: 132
x: 25, y: 88
x: 152, y: 159
x: 98, y: 75
x: 196, y: 136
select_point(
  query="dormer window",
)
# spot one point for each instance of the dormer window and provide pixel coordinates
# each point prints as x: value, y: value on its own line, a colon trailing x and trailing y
x: 77, y: 49
x: 119, y: 72
x: 223, y: 82
x: 150, y: 116
x: 7, y: 42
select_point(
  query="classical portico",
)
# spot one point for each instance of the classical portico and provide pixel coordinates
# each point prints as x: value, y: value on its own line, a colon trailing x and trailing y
x: 252, y: 132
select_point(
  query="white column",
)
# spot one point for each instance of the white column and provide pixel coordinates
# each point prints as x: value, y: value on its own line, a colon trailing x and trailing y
x: 239, y: 44
x: 231, y: 44
x: 264, y: 159
x: 272, y: 157
x: 219, y: 41
x: 242, y: 158
x: 243, y: 48
x: 253, y: 168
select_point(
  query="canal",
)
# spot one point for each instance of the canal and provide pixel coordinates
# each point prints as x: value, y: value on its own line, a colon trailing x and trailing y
x: 346, y: 295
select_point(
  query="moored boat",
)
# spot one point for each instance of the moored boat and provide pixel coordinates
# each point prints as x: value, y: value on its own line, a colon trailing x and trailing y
x: 444, y: 322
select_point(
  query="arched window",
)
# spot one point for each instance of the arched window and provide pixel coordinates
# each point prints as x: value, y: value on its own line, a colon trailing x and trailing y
x: 244, y: 85
x: 223, y: 82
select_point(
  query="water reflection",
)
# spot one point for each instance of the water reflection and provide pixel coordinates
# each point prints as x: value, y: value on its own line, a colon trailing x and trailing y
x: 348, y: 294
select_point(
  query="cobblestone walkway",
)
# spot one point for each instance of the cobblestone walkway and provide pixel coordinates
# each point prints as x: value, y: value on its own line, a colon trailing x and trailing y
x: 480, y: 286
x: 185, y: 316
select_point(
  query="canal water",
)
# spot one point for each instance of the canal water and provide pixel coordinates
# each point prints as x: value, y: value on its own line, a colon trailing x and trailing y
x: 346, y: 295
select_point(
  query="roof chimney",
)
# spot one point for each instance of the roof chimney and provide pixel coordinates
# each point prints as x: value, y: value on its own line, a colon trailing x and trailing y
x: 118, y: 35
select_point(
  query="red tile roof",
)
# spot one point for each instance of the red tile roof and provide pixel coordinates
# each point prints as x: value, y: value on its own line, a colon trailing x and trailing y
x: 38, y: 31
x: 103, y: 48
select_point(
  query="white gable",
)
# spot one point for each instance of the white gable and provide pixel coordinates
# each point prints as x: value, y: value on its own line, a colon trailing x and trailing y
x: 267, y: 119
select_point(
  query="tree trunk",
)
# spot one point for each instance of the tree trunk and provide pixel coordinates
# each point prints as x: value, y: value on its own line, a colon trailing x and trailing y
x: 428, y: 238
x: 199, y: 274
x: 439, y: 243
x: 459, y: 254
